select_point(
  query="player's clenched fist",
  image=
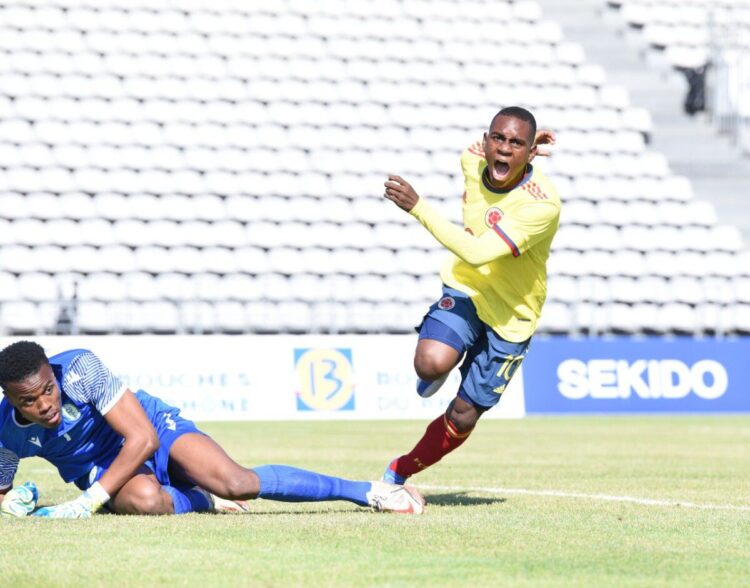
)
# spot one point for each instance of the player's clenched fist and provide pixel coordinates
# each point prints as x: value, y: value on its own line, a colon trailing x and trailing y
x: 400, y: 191
x: 20, y: 501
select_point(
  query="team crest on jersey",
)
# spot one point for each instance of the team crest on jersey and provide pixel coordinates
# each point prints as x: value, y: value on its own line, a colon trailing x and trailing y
x: 446, y: 303
x: 493, y: 216
x: 70, y: 412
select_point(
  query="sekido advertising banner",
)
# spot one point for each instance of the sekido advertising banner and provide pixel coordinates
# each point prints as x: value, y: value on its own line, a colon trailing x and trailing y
x: 627, y: 375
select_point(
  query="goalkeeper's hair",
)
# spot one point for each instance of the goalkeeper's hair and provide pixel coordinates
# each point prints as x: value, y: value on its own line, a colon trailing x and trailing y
x: 20, y: 360
x: 521, y: 114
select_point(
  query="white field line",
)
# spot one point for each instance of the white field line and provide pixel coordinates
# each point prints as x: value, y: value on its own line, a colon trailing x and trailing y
x: 580, y: 495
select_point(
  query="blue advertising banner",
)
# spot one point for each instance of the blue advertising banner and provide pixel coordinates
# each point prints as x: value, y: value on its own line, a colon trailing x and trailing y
x: 627, y: 375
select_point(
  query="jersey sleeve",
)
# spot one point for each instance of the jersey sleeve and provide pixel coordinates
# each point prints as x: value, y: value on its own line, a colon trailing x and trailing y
x: 472, y: 162
x: 528, y: 225
x: 89, y: 380
x: 473, y: 250
x: 8, y: 467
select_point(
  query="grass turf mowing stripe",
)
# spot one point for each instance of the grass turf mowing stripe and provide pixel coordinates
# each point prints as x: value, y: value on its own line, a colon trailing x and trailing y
x: 604, y: 497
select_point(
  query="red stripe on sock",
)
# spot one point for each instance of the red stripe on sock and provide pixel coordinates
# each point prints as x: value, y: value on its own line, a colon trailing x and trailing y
x: 450, y: 428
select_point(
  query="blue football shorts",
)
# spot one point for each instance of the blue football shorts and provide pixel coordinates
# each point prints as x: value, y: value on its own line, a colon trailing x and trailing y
x: 169, y: 426
x: 490, y: 360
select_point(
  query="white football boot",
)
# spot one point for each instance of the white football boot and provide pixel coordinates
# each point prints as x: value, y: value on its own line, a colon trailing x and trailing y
x: 224, y: 505
x: 384, y: 497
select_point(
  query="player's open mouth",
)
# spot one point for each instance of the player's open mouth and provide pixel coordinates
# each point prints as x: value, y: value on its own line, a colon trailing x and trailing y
x: 500, y: 168
x: 53, y: 420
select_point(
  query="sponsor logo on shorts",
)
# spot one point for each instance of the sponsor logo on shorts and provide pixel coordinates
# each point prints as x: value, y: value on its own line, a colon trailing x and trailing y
x: 446, y: 303
x: 493, y: 216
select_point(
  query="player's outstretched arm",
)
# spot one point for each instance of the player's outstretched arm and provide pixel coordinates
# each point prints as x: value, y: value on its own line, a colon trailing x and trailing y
x: 473, y: 250
x: 80, y: 508
x: 127, y: 418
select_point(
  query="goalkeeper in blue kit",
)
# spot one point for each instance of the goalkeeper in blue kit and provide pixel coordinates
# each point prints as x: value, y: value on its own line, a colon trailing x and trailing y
x: 130, y: 453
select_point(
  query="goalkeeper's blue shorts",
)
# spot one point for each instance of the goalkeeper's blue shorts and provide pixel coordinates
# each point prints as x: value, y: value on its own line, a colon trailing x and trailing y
x: 169, y: 426
x: 490, y: 360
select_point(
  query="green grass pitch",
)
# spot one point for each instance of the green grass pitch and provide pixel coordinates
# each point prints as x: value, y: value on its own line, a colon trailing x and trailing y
x: 534, y: 502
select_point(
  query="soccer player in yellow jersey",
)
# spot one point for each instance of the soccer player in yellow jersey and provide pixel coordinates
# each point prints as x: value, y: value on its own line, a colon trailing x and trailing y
x: 494, y: 283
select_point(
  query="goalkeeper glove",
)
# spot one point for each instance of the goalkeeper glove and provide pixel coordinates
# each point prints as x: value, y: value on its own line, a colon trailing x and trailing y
x: 80, y: 508
x: 20, y: 501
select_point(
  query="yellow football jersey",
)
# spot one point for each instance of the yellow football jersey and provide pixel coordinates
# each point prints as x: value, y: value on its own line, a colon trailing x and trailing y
x: 509, y: 291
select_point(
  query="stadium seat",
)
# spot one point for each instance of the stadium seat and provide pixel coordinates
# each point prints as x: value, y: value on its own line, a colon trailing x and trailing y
x: 27, y: 318
x: 263, y: 317
x: 646, y: 315
x: 623, y: 319
x: 713, y: 319
x: 740, y: 319
x: 740, y: 290
x: 197, y: 316
x: 9, y: 287
x: 231, y: 317
x: 627, y: 290
x: 160, y: 317
x: 342, y: 288
x: 678, y: 318
x: 596, y: 289
x: 557, y: 319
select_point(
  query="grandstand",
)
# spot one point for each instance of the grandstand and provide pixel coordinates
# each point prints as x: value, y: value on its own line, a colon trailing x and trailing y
x: 217, y: 167
x: 708, y: 43
x: 688, y: 33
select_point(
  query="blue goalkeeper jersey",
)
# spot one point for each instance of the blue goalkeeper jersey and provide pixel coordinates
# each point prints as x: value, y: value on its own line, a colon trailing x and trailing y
x: 83, y: 439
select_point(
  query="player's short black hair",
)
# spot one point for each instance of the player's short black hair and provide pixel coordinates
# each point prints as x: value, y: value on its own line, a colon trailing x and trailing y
x: 522, y: 114
x: 20, y: 360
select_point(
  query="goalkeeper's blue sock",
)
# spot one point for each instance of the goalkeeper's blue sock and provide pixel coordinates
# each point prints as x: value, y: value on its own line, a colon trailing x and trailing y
x: 288, y: 484
x: 188, y: 499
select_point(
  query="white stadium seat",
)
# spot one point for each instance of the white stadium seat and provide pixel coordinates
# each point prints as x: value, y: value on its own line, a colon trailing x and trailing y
x: 27, y: 318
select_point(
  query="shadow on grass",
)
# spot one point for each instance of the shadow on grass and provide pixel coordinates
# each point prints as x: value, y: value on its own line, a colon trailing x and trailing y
x: 460, y: 499
x: 446, y: 499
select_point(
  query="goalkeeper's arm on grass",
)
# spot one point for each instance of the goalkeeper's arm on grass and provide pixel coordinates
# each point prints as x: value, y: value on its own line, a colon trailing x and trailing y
x: 140, y: 441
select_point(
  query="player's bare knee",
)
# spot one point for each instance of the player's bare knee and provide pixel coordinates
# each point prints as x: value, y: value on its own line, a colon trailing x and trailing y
x: 430, y: 366
x: 156, y: 504
x: 145, y: 499
x: 462, y: 423
x: 463, y: 416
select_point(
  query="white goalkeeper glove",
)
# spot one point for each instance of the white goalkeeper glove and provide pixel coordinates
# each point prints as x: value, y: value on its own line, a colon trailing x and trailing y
x: 20, y: 501
x: 81, y: 508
